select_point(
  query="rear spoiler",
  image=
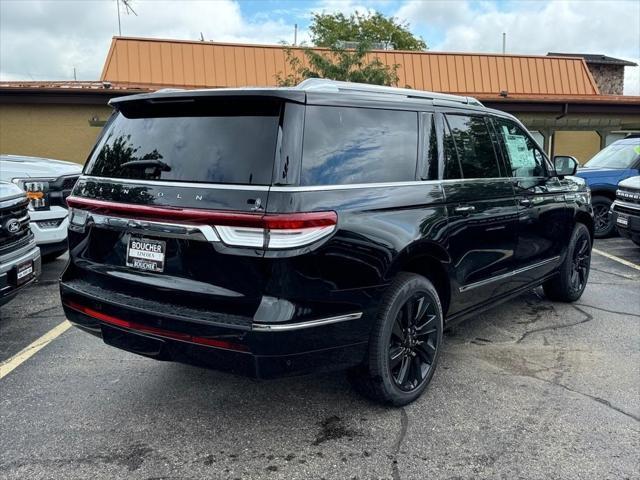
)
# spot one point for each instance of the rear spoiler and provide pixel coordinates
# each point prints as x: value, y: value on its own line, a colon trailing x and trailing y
x: 178, y: 96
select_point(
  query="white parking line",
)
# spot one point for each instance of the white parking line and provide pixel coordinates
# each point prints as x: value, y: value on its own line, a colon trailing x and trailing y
x: 26, y: 353
x: 612, y: 257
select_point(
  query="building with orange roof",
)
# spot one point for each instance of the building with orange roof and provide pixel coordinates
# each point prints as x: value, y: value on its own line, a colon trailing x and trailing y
x: 556, y: 96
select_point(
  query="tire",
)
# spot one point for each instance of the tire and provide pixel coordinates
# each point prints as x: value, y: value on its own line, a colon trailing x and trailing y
x: 573, y: 274
x: 604, y: 224
x: 415, y: 356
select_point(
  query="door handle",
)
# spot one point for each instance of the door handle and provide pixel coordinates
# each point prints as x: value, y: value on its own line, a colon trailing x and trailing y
x: 526, y: 202
x: 465, y: 209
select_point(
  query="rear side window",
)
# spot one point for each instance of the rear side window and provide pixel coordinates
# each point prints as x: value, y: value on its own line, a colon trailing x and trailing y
x: 473, y: 144
x: 358, y: 145
x: 219, y: 149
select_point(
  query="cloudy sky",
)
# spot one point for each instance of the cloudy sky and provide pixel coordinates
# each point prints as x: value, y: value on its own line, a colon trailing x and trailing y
x: 46, y: 39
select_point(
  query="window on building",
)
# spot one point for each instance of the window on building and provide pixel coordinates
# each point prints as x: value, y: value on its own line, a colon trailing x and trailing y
x: 358, y: 145
x: 524, y: 156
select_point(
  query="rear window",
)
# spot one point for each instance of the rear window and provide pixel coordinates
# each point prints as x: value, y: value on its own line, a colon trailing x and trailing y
x: 358, y: 145
x: 224, y: 148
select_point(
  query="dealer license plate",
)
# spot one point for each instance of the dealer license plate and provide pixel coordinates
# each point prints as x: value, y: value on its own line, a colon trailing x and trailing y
x: 24, y: 272
x: 623, y: 220
x: 146, y: 254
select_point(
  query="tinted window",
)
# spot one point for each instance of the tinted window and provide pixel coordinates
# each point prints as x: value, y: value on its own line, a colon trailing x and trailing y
x: 474, y: 146
x: 221, y: 149
x: 451, y: 164
x: 358, y: 145
x: 430, y: 152
x: 525, y: 159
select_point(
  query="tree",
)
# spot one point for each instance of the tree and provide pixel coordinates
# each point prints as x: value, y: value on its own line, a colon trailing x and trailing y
x: 338, y: 62
x: 328, y: 30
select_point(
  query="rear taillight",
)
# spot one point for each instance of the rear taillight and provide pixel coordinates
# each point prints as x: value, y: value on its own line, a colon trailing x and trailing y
x: 238, y: 229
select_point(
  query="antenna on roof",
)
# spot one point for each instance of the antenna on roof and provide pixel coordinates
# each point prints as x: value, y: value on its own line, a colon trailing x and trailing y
x: 127, y: 9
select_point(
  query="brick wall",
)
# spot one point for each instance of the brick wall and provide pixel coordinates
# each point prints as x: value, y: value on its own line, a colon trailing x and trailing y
x: 609, y: 78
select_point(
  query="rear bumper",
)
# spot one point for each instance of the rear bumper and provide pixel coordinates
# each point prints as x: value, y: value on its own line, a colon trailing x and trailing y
x: 255, y: 349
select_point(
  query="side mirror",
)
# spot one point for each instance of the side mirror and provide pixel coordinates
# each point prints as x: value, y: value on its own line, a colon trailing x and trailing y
x: 565, y: 165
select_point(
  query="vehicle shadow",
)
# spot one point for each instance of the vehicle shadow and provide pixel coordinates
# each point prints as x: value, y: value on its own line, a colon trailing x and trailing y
x: 313, y: 399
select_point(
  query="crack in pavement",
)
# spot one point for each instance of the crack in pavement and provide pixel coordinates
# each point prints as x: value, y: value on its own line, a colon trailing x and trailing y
x: 600, y: 400
x: 404, y: 425
x: 588, y: 318
x: 616, y: 312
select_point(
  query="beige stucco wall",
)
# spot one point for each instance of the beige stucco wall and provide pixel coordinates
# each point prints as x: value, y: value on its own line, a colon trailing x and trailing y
x: 581, y: 144
x: 53, y: 131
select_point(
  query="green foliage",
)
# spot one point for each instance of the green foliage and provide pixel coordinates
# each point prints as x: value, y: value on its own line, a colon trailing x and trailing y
x: 328, y: 30
x: 338, y: 64
x: 350, y: 64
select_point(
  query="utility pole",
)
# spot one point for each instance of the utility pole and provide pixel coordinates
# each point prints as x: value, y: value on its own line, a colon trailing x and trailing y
x: 75, y: 79
x: 295, y: 34
x: 504, y: 43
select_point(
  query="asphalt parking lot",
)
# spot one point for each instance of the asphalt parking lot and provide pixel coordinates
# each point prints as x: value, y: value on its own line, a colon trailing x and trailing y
x: 531, y: 389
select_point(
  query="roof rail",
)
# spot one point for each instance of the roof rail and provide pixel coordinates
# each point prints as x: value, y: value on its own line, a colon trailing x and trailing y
x: 336, y: 86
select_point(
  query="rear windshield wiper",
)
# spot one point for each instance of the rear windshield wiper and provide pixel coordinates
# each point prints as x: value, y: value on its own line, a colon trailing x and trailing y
x: 147, y: 163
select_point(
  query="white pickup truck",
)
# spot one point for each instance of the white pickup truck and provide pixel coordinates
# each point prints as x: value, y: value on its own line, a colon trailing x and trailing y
x: 47, y: 183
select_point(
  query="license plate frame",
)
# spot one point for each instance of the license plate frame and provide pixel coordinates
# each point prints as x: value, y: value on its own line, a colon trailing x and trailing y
x: 23, y: 272
x: 146, y: 254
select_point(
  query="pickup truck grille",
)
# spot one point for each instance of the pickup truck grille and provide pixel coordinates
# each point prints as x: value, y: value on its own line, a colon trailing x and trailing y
x: 629, y: 196
x: 61, y: 189
x: 14, y: 240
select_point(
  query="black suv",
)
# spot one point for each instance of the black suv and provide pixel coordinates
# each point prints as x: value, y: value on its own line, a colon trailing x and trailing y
x: 270, y: 232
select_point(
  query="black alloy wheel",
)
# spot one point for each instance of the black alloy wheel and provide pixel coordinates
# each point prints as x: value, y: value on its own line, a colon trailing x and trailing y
x: 581, y: 263
x: 413, y: 342
x: 405, y: 342
x: 572, y: 276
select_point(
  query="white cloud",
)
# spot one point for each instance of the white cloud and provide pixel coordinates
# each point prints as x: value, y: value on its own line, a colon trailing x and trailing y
x: 45, y: 39
x: 607, y: 27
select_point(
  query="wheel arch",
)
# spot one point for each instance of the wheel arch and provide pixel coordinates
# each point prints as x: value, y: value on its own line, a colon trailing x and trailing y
x: 603, y: 191
x: 430, y: 260
x: 587, y: 220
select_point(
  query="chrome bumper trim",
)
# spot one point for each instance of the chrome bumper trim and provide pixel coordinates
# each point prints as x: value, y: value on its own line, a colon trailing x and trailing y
x: 268, y: 327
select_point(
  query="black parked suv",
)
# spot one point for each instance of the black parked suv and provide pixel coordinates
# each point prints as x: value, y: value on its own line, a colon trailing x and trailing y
x: 270, y: 232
